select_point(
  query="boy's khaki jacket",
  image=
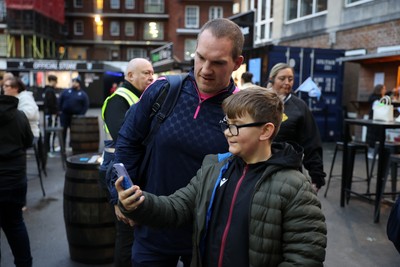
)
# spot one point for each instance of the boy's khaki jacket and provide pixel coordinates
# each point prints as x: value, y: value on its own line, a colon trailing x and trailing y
x: 287, y: 227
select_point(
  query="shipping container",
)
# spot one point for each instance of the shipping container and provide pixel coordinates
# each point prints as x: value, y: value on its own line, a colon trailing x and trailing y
x: 323, y: 68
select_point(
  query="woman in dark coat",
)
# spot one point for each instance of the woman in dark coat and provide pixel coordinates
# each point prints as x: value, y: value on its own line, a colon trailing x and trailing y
x: 15, y: 137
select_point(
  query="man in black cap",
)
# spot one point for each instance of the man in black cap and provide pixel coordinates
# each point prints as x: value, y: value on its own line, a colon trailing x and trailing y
x: 73, y: 101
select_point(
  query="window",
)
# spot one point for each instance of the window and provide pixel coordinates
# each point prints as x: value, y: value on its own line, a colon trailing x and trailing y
x: 192, y: 17
x: 130, y: 4
x: 356, y: 2
x: 135, y: 52
x: 78, y: 3
x: 215, y: 12
x: 114, y: 4
x: 264, y: 21
x: 302, y: 8
x: 190, y: 49
x: 153, y: 31
x: 114, y: 28
x: 154, y: 6
x: 3, y: 11
x: 3, y: 45
x: 78, y: 27
x: 129, y: 28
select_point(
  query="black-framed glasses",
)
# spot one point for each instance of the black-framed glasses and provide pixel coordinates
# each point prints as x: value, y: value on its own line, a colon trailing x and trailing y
x: 234, y: 129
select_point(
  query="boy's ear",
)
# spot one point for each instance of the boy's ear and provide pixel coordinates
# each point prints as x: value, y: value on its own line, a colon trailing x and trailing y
x: 268, y: 131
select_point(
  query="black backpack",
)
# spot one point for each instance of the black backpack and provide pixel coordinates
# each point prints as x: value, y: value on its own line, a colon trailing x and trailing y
x: 165, y: 102
x: 161, y: 109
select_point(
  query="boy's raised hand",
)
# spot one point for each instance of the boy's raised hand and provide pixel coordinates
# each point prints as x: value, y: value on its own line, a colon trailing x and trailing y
x: 130, y: 198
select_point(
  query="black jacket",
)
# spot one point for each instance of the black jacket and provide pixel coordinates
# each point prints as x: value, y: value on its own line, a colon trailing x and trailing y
x: 15, y: 137
x: 298, y: 125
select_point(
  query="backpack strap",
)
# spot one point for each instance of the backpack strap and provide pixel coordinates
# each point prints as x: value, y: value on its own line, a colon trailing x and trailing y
x: 165, y: 102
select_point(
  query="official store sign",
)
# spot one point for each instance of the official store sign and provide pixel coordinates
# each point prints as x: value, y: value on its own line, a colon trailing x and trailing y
x: 53, y: 65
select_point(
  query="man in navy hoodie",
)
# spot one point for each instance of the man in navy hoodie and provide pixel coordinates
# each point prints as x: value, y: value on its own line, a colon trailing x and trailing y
x: 73, y: 101
x: 190, y: 132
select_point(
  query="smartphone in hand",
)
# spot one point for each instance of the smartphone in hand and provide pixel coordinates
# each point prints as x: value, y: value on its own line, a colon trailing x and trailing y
x: 121, y: 171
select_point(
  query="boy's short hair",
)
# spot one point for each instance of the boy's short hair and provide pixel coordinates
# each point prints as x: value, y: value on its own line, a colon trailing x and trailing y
x: 260, y: 103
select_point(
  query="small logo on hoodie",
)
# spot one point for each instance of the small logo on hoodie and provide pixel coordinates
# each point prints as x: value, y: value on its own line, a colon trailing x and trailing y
x: 223, y: 180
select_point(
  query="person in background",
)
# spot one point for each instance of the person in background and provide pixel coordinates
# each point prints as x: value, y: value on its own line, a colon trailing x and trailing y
x: 5, y: 76
x: 249, y: 207
x: 298, y: 123
x: 113, y: 88
x: 190, y: 132
x: 246, y: 80
x: 15, y: 137
x: 73, y: 101
x: 50, y: 108
x: 14, y: 87
x: 138, y: 75
x: 372, y: 134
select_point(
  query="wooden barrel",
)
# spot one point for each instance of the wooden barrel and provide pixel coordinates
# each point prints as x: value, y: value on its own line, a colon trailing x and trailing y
x: 85, y: 134
x: 88, y: 216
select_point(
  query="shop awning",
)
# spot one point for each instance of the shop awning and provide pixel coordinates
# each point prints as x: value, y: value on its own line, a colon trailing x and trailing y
x: 373, y: 58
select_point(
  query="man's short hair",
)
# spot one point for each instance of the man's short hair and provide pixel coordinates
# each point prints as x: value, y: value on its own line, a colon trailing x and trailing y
x: 52, y: 78
x: 225, y: 28
x: 260, y: 103
x: 247, y: 77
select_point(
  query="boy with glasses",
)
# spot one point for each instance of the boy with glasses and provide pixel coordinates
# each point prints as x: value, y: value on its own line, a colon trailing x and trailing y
x: 249, y: 207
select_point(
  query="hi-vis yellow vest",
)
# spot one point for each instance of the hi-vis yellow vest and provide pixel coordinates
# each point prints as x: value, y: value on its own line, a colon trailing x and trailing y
x: 130, y: 97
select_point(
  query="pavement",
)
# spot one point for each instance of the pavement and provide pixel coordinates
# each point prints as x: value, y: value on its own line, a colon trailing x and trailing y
x: 354, y: 240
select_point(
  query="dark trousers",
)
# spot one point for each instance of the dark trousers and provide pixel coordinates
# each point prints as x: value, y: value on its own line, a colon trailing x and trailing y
x: 124, y: 234
x: 13, y: 225
x: 123, y: 244
x: 143, y: 257
x: 49, y: 137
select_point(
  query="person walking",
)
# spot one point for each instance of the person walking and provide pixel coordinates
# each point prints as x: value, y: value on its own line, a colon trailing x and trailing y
x: 298, y: 123
x: 191, y: 131
x: 16, y: 136
x: 73, y: 101
x: 50, y: 109
x: 249, y: 207
x: 138, y: 75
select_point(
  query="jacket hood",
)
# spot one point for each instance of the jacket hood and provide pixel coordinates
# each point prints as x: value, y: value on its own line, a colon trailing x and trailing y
x: 8, y: 107
x: 288, y: 155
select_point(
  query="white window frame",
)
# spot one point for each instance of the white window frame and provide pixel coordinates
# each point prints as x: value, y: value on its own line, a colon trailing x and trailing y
x: 129, y: 4
x: 264, y: 22
x: 190, y: 49
x: 78, y: 3
x: 115, y: 4
x: 215, y: 12
x: 135, y: 53
x: 358, y: 2
x: 195, y: 17
x: 114, y: 28
x: 299, y: 17
x: 79, y: 24
x: 154, y: 6
x: 129, y: 28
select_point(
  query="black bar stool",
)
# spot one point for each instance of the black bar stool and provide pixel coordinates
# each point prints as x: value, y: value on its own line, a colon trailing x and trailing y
x: 354, y: 148
x: 394, y: 163
x: 39, y: 157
